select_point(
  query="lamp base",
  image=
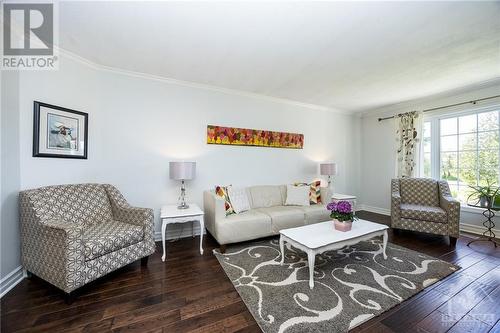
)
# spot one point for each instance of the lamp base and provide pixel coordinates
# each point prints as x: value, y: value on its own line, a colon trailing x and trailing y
x: 183, y: 206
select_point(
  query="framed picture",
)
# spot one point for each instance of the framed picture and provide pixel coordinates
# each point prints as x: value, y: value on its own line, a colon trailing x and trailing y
x: 59, y: 132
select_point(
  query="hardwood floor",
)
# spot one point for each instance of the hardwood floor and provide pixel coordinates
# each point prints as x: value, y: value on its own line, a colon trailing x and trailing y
x: 191, y: 293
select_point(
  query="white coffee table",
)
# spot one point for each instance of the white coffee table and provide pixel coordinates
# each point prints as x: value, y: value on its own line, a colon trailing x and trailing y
x: 317, y: 238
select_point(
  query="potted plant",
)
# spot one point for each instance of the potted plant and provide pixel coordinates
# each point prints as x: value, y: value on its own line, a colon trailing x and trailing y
x: 484, y: 196
x: 342, y: 215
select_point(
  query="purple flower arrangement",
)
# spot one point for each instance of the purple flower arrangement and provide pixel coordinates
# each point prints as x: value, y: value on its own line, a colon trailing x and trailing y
x: 341, y: 210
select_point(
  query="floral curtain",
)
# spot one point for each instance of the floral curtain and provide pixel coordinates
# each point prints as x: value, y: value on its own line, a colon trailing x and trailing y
x: 408, y: 134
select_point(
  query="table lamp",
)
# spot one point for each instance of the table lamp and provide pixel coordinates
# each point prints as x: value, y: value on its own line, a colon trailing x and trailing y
x: 182, y: 171
x: 328, y: 169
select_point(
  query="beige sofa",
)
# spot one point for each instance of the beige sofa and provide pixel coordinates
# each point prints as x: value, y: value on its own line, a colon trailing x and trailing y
x: 267, y: 216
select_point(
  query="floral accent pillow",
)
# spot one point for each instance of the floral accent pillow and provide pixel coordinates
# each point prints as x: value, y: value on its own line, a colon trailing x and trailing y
x: 314, y: 191
x: 221, y: 191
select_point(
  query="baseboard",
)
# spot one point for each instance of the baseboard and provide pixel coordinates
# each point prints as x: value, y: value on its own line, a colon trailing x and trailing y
x: 373, y: 209
x: 465, y: 227
x: 476, y: 229
x: 11, y: 280
x: 175, y: 231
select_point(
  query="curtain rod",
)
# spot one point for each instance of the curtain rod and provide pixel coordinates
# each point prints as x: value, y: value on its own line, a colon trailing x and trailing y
x: 447, y: 106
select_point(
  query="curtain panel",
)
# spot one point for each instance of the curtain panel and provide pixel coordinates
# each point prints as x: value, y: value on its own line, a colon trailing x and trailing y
x: 408, y: 134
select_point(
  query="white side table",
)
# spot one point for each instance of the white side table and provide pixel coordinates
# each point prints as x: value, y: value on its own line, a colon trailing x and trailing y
x: 171, y: 214
x: 336, y: 197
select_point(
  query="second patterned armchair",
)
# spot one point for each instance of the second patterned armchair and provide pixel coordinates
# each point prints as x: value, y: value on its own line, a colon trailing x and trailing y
x: 74, y: 234
x: 425, y: 205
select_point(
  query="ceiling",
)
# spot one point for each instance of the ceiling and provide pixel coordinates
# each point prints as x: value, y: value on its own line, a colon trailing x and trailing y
x: 352, y: 56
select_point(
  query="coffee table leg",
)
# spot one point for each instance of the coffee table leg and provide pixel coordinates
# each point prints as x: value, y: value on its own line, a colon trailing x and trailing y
x: 282, y: 248
x: 311, y: 257
x: 385, y: 243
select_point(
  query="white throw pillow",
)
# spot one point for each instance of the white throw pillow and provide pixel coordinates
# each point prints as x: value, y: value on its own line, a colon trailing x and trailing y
x: 239, y: 199
x: 297, y: 195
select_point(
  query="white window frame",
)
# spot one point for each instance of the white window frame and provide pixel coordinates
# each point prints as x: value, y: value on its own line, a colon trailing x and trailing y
x: 435, y: 119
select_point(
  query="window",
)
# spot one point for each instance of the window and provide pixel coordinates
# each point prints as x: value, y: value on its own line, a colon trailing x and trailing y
x: 463, y: 149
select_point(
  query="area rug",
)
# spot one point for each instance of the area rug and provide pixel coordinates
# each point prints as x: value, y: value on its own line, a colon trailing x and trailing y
x: 352, y: 284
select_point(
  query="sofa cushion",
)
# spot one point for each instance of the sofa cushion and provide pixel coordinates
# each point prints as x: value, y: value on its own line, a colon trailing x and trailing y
x: 244, y: 226
x: 315, y: 213
x: 419, y: 191
x: 423, y: 213
x: 283, y: 217
x: 109, y: 236
x: 239, y: 199
x: 266, y: 196
x: 75, y: 202
x: 297, y: 195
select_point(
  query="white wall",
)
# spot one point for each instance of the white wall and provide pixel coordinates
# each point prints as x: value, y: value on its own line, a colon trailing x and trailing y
x: 10, y: 175
x: 138, y: 125
x: 379, y: 147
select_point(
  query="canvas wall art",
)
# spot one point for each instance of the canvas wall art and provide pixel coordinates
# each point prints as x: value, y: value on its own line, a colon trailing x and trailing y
x: 221, y: 135
x: 59, y: 132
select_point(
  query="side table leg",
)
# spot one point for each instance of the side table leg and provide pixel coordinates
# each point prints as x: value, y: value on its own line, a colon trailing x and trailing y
x: 385, y: 243
x: 311, y: 257
x: 163, y: 231
x: 202, y: 231
x: 282, y: 248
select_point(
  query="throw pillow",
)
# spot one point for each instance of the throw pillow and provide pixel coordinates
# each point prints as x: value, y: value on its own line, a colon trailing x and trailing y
x: 315, y: 191
x: 297, y: 195
x: 221, y: 191
x: 238, y: 198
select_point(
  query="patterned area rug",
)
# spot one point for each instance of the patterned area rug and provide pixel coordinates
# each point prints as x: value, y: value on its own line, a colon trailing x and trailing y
x: 352, y: 284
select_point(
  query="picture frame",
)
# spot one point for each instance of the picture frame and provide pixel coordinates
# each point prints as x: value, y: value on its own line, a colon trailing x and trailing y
x: 59, y: 132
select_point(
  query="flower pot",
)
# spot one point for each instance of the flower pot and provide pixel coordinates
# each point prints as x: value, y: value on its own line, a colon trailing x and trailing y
x: 342, y: 226
x: 484, y: 201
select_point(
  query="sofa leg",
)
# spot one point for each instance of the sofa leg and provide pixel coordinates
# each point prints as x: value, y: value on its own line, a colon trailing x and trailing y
x: 69, y: 297
x: 223, y: 248
x: 453, y: 241
x: 144, y: 261
x: 29, y: 275
x: 396, y: 231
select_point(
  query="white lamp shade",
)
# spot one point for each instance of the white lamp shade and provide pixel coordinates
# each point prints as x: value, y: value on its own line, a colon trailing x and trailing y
x: 182, y: 170
x: 328, y: 169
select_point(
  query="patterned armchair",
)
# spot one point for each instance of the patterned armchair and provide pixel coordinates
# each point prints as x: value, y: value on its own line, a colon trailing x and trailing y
x: 425, y: 205
x: 73, y: 234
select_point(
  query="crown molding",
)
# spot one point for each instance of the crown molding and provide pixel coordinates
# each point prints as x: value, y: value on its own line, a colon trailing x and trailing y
x: 190, y: 84
x: 416, y: 103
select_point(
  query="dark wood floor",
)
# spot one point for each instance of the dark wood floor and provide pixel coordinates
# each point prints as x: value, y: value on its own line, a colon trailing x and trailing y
x: 191, y: 293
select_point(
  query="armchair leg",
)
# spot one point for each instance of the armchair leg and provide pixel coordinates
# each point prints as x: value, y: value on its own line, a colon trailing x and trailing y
x: 453, y: 241
x: 223, y: 248
x: 29, y: 275
x: 69, y: 297
x: 144, y: 261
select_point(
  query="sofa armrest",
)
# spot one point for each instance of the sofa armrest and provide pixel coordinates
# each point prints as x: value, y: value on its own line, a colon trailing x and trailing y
x: 214, y: 211
x: 326, y: 195
x: 395, y: 202
x: 57, y: 254
x: 452, y: 208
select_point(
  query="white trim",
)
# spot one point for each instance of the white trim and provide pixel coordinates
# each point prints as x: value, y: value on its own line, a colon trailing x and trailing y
x: 475, y: 229
x: 430, y: 101
x: 196, y: 85
x: 373, y: 209
x: 175, y: 231
x: 11, y: 280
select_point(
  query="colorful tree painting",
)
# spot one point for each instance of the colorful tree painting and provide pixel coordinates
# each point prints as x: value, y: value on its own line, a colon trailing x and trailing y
x: 221, y: 135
